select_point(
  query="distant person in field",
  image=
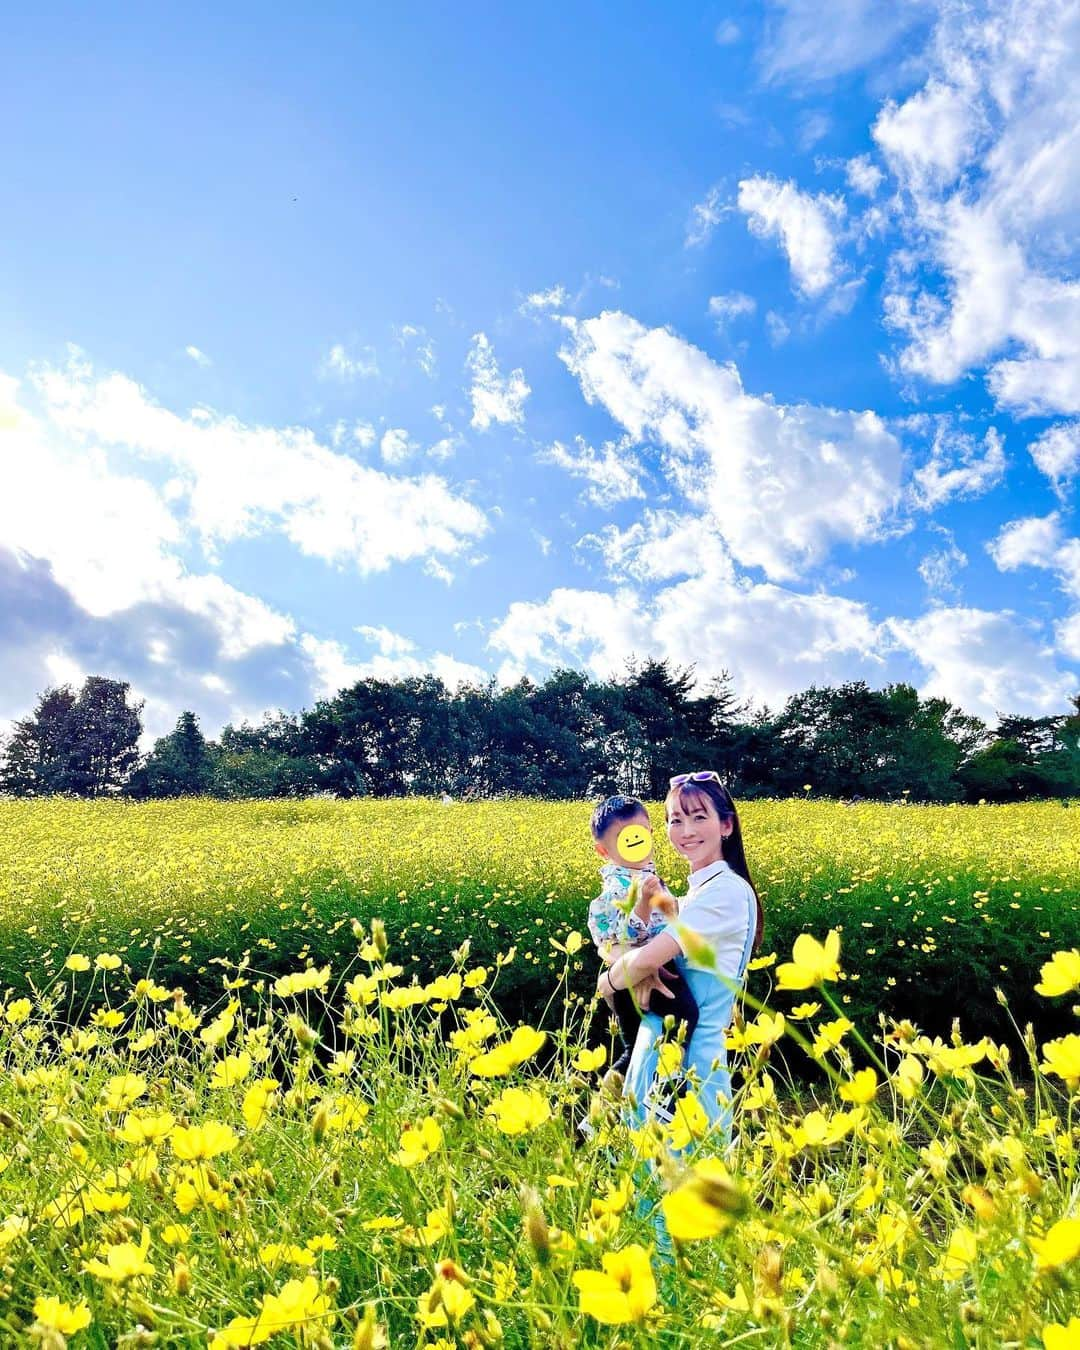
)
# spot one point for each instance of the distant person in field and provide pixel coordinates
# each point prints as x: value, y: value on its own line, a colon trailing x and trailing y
x: 633, y: 906
x: 710, y: 943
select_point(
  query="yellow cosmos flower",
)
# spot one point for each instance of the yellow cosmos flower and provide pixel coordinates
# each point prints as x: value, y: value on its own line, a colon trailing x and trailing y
x: 519, y: 1110
x: 286, y: 1254
x: 501, y: 1059
x: 17, y: 1011
x: 194, y: 1142
x: 1057, y: 1337
x: 961, y: 1252
x: 123, y: 1261
x: 1059, y: 1247
x: 802, y: 1011
x: 588, y: 1061
x: 302, y: 981
x: 122, y: 1090
x: 77, y: 962
x: 690, y: 1122
x: 476, y: 977
x: 623, y: 1291
x: 107, y: 961
x: 230, y: 1071
x: 176, y: 1234
x: 418, y: 1142
x: 706, y: 1203
x: 257, y: 1102
x: 1060, y: 975
x: 862, y: 1089
x: 812, y: 962
x: 1062, y: 1057
x: 64, y: 1318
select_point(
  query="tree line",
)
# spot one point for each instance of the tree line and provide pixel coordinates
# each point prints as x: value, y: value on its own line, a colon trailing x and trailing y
x: 568, y: 737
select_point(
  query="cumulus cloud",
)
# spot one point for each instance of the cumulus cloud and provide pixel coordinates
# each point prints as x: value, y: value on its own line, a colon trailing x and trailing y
x: 200, y: 358
x: 494, y: 399
x: 613, y: 472
x: 863, y: 175
x: 958, y: 467
x: 395, y: 445
x: 106, y: 499
x: 237, y: 480
x: 986, y: 156
x: 990, y: 663
x: 1039, y: 541
x: 780, y: 483
x: 414, y: 339
x: 1057, y: 454
x: 807, y: 227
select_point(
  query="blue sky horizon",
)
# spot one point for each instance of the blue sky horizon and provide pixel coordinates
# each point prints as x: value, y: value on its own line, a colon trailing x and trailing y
x: 345, y: 343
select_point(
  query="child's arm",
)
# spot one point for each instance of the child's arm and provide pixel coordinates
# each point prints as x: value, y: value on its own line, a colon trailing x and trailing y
x: 655, y: 895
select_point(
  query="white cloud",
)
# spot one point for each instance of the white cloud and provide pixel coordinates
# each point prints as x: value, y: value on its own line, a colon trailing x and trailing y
x: 613, y: 471
x: 414, y: 337
x: 989, y: 663
x: 239, y: 481
x: 727, y: 33
x: 388, y: 642
x: 556, y: 297
x: 958, y: 467
x: 773, y: 641
x: 987, y: 159
x: 200, y: 358
x: 340, y: 365
x: 395, y: 446
x: 336, y: 670
x: 705, y: 216
x: 805, y: 43
x: 806, y: 226
x: 863, y: 175
x: 724, y: 308
x: 100, y: 521
x: 778, y: 328
x: 939, y: 567
x: 1057, y: 454
x: 494, y: 399
x: 364, y: 435
x: 931, y: 137
x: 659, y: 546
x: 1039, y: 541
x: 780, y: 483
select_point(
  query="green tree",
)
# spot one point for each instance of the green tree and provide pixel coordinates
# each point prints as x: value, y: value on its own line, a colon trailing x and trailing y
x: 179, y: 765
x: 37, y: 759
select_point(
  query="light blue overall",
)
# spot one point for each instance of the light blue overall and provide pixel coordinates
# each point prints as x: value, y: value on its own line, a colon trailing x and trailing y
x: 706, y: 1061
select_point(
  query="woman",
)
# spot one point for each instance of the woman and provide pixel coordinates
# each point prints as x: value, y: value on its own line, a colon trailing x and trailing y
x: 720, y: 923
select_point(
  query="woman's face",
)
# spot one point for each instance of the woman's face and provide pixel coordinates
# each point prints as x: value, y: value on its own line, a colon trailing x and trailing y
x: 694, y: 828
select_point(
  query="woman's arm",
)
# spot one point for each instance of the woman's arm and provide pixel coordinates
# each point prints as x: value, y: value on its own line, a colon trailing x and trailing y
x: 641, y: 963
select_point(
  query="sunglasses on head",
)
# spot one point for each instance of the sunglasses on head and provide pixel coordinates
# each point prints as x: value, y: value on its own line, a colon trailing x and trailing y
x: 702, y: 776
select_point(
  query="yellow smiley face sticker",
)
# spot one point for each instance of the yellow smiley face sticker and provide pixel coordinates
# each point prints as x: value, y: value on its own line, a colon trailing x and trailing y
x: 633, y: 843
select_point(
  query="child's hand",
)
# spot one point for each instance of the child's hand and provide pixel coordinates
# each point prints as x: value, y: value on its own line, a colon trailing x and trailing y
x: 657, y: 896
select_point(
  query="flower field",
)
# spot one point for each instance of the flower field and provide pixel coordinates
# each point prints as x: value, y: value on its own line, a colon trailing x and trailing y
x: 315, y: 1073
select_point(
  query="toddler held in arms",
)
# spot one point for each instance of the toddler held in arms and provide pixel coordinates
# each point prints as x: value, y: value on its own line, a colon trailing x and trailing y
x: 633, y: 906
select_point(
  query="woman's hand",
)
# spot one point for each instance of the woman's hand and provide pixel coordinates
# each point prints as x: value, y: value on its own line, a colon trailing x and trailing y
x: 649, y: 985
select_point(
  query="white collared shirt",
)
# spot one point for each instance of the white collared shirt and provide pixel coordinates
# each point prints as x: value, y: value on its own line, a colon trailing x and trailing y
x: 718, y: 910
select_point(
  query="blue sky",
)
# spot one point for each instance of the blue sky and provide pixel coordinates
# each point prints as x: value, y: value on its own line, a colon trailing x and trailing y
x: 367, y: 342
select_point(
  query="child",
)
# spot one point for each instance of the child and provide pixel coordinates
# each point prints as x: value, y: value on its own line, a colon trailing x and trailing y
x: 633, y: 906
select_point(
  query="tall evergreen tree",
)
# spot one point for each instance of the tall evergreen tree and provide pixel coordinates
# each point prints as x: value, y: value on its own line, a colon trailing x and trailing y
x: 179, y: 765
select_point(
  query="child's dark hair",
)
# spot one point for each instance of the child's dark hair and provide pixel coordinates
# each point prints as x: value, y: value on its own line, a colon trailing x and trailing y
x: 731, y: 848
x: 611, y: 809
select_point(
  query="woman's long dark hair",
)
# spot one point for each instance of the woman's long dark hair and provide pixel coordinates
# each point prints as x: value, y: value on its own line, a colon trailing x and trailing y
x: 731, y: 848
